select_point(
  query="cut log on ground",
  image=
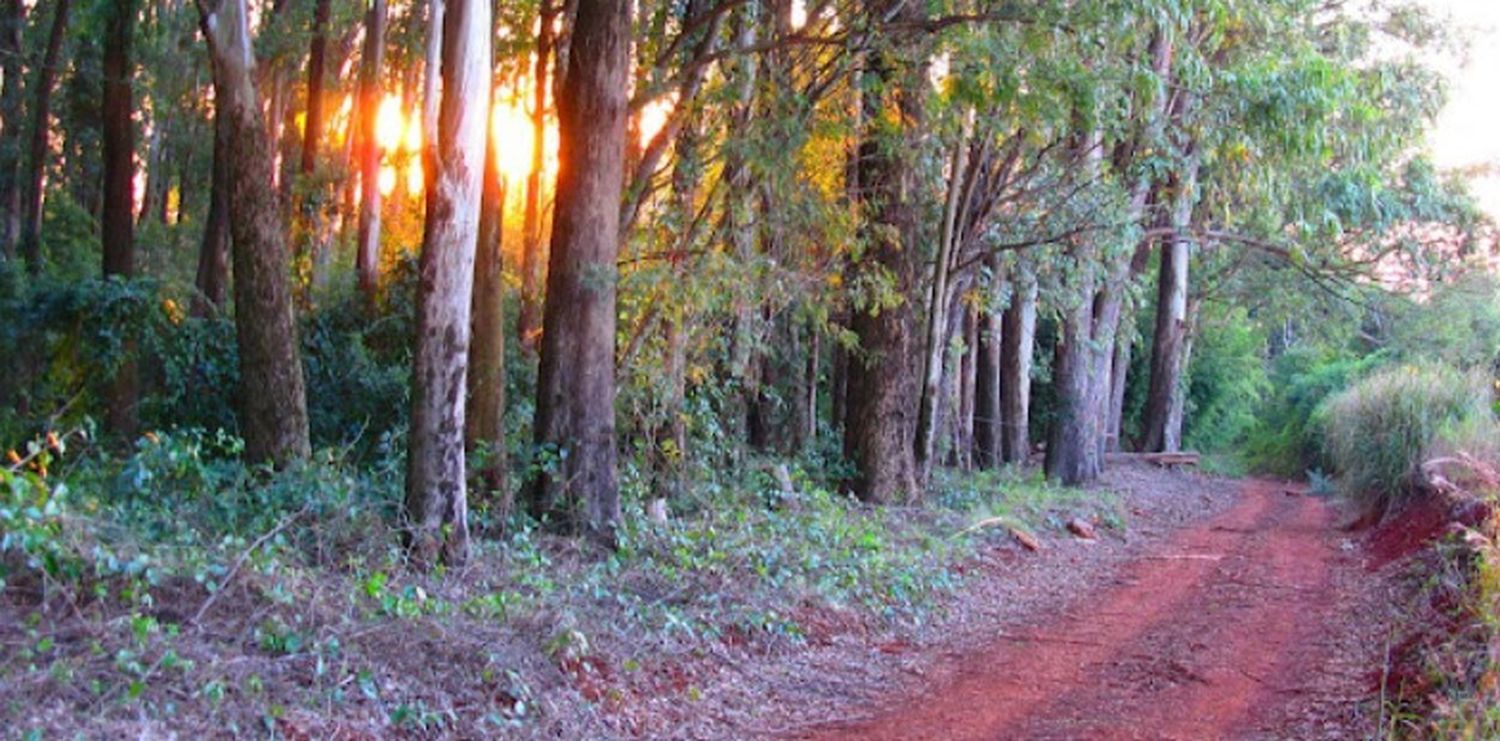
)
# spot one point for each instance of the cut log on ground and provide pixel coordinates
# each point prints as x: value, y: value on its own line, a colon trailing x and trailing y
x: 1185, y: 458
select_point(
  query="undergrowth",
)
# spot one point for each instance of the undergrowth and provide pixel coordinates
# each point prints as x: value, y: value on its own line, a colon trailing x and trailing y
x: 1378, y: 432
x: 178, y: 586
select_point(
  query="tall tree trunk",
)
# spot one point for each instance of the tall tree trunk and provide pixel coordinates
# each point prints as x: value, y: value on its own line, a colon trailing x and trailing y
x: 118, y: 223
x: 937, y: 309
x: 486, y: 412
x: 1119, y: 375
x: 884, y: 382
x: 1017, y: 346
x: 575, y: 407
x: 273, y: 417
x: 155, y: 171
x: 1072, y: 451
x: 367, y: 249
x: 432, y: 77
x: 531, y: 245
x: 946, y: 398
x: 436, y: 499
x: 317, y: 60
x: 967, y: 389
x: 41, y: 114
x: 1171, y: 330
x: 12, y: 22
x: 1177, y: 408
x: 213, y: 253
x: 838, y: 385
x: 988, y: 434
x: 805, y: 408
x: 311, y: 243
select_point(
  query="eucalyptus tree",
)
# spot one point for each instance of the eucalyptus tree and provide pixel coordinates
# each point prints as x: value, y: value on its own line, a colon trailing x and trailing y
x: 117, y: 224
x: 12, y: 25
x: 367, y: 240
x: 32, y: 193
x: 577, y: 485
x: 883, y: 384
x: 436, y: 476
x: 273, y: 419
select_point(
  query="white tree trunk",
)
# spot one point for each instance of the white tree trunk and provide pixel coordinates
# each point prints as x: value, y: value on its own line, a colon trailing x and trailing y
x: 436, y: 500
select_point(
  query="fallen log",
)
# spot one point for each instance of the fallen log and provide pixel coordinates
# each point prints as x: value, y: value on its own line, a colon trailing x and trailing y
x: 1165, y: 460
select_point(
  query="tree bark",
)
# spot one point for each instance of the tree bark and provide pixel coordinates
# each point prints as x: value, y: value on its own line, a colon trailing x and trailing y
x: 41, y: 114
x: 1163, y: 428
x: 367, y: 249
x: 575, y: 408
x: 317, y: 58
x: 118, y: 222
x: 883, y: 379
x: 937, y: 309
x: 805, y: 411
x: 1177, y: 409
x: 1119, y: 375
x: 486, y: 412
x: 988, y: 434
x: 531, y: 246
x: 213, y: 253
x: 12, y: 21
x: 432, y: 78
x: 273, y: 403
x: 967, y: 389
x: 312, y: 245
x: 436, y: 498
x: 1017, y: 345
x: 1072, y: 441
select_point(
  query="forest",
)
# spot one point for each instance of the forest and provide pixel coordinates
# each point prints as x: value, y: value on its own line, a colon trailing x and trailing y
x: 529, y: 368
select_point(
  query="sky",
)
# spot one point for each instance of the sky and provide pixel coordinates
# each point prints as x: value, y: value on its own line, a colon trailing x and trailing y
x: 1468, y: 131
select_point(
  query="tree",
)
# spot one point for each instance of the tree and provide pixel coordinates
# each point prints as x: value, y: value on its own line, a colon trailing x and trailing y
x: 367, y: 243
x: 212, y: 279
x: 882, y: 392
x: 486, y: 411
x: 36, y: 162
x: 436, y: 497
x: 988, y: 434
x: 273, y: 404
x: 1017, y: 346
x: 1162, y: 426
x: 575, y: 425
x: 531, y: 229
x: 118, y: 222
x: 12, y: 22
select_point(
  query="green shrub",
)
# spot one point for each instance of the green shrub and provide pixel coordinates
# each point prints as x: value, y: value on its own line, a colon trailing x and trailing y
x: 1377, y: 433
x: 1287, y: 441
x: 1227, y: 381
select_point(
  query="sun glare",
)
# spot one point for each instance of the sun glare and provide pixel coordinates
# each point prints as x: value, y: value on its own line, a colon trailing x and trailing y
x: 512, y: 132
x: 654, y: 117
x: 389, y: 123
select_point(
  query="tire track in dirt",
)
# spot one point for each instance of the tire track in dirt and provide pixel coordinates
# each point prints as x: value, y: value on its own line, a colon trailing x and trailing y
x: 1198, y: 637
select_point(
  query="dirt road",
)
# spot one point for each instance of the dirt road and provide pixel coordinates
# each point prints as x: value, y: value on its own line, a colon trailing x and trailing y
x: 1211, y: 633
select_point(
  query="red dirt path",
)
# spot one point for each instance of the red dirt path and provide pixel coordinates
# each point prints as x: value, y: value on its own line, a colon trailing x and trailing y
x: 1205, y: 635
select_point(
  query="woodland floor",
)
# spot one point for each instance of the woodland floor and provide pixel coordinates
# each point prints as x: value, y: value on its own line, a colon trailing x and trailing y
x: 1209, y: 608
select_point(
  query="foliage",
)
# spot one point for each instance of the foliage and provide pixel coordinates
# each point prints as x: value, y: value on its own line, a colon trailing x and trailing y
x: 1286, y: 439
x: 1379, y: 432
x: 1458, y: 321
x: 1227, y: 380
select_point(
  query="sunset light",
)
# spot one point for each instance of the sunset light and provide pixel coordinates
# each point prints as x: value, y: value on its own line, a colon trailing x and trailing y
x: 1130, y: 369
x: 389, y: 123
x: 511, y: 128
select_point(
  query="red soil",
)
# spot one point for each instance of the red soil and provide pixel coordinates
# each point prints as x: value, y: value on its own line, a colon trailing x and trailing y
x: 1205, y: 635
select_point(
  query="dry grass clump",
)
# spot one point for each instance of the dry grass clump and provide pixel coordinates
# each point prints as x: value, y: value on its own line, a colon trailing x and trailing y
x: 1379, y: 432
